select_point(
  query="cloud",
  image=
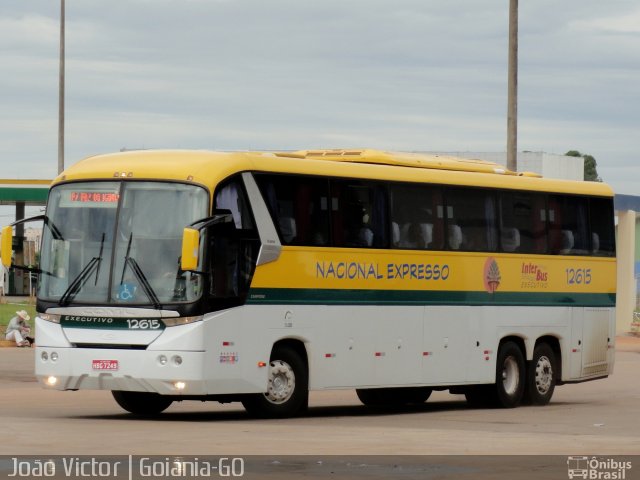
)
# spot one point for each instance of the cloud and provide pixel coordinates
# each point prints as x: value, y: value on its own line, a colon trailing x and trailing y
x: 403, y: 75
x: 629, y: 22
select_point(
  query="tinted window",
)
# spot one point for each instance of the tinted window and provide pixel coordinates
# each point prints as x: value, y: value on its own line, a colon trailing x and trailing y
x: 299, y: 206
x: 568, y: 225
x: 414, y: 220
x: 471, y: 220
x: 603, y: 241
x: 231, y: 196
x: 233, y: 247
x: 358, y: 212
x: 522, y: 222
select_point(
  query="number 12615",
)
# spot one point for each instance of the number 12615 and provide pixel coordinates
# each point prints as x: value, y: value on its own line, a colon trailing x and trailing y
x: 578, y: 276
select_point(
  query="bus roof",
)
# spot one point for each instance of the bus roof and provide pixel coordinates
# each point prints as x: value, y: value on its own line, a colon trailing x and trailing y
x: 208, y: 168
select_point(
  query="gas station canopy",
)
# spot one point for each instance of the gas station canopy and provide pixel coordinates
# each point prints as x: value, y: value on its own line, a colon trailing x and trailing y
x: 27, y: 192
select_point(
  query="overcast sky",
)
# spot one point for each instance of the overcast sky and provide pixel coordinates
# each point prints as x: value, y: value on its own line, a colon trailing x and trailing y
x: 297, y: 74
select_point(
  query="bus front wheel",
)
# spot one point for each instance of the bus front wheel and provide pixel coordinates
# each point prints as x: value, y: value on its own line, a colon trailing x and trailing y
x: 287, y: 392
x: 142, y: 403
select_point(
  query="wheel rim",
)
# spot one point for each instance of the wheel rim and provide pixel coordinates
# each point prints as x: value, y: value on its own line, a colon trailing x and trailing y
x: 510, y: 376
x: 282, y: 382
x: 544, y: 375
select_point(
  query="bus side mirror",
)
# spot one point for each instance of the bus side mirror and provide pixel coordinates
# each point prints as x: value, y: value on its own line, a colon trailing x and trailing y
x: 190, y: 249
x: 6, y: 247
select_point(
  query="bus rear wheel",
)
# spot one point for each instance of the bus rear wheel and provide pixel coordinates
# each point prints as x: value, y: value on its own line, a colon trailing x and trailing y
x: 510, y: 376
x: 142, y: 403
x: 541, y: 376
x: 287, y: 392
x: 393, y: 397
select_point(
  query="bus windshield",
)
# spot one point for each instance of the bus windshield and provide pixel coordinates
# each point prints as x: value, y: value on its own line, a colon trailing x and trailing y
x: 119, y: 243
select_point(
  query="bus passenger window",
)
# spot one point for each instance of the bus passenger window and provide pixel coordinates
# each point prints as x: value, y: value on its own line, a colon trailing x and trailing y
x: 603, y: 241
x: 569, y: 225
x: 299, y: 207
x: 522, y: 222
x: 473, y: 211
x: 413, y: 222
x: 358, y: 214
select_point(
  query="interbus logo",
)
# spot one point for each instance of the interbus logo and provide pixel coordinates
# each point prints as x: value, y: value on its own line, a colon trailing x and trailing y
x: 491, y: 275
x: 597, y: 468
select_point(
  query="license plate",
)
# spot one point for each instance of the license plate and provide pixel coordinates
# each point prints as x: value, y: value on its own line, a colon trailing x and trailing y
x: 105, y: 364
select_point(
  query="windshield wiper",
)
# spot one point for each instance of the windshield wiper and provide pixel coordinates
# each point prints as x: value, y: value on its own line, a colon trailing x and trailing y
x: 135, y: 268
x: 78, y: 282
x: 146, y: 286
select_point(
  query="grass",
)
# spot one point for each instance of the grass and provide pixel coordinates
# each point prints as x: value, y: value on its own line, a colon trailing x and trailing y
x: 8, y: 311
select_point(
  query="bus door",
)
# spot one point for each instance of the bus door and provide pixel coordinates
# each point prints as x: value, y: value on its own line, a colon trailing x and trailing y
x: 591, y: 335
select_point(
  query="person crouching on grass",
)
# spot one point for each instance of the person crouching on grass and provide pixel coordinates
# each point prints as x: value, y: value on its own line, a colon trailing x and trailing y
x: 19, y: 330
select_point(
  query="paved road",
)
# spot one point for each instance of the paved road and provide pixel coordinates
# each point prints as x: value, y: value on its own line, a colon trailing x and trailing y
x: 599, y: 418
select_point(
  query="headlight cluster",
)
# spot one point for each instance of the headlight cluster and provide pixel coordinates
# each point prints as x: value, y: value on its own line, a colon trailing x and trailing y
x: 50, y: 317
x: 46, y: 356
x: 176, y: 360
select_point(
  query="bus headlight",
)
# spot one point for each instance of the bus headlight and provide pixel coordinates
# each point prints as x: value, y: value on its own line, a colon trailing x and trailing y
x: 50, y: 317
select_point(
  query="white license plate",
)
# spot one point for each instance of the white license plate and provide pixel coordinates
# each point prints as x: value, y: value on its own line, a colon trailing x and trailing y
x: 104, y: 364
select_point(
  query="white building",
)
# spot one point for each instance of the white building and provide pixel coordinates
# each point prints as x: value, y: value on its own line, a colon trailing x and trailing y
x: 549, y: 165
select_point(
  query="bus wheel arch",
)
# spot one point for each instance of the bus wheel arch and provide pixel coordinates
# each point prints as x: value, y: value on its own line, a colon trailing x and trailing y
x: 287, y: 392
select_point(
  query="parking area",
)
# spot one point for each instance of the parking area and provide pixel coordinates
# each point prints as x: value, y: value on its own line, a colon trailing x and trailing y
x: 597, y: 418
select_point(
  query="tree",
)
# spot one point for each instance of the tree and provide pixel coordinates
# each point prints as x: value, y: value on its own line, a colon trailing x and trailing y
x: 590, y: 166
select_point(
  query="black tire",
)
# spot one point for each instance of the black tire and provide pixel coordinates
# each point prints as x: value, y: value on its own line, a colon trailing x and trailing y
x: 393, y: 397
x: 480, y: 396
x: 541, y: 375
x: 510, y: 376
x: 288, y: 389
x: 142, y: 403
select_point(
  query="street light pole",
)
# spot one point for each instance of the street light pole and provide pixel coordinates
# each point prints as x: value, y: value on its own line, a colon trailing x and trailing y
x: 61, y: 93
x: 512, y: 94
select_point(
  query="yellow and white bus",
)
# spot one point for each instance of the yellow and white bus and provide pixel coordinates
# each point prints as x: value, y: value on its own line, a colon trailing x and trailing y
x: 257, y: 277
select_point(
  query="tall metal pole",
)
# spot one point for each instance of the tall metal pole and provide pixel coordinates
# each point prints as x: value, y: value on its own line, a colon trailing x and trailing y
x: 61, y: 94
x: 512, y: 96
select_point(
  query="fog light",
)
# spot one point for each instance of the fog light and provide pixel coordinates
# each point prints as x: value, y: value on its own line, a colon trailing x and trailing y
x: 54, y: 356
x: 162, y: 360
x: 180, y: 385
x: 44, y: 356
x: 51, y: 381
x: 177, y: 360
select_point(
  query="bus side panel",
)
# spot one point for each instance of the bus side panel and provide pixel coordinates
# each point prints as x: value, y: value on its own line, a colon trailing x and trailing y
x: 491, y: 324
x: 447, y: 346
x: 364, y: 346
